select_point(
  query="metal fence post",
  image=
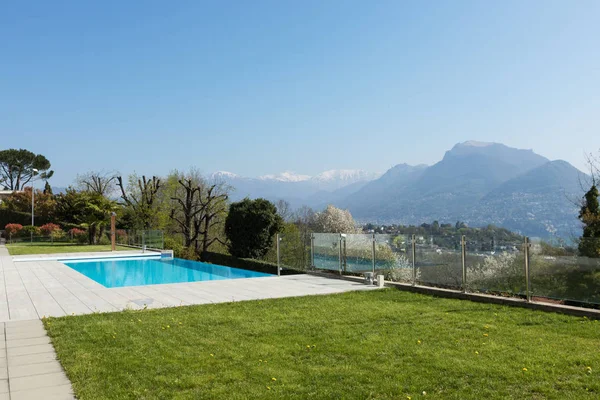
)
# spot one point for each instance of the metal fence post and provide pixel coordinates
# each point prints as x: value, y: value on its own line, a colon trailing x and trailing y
x: 143, y: 241
x: 340, y: 253
x: 373, y: 254
x: 463, y: 245
x: 414, y: 254
x: 278, y: 257
x: 527, y: 277
x: 312, y: 251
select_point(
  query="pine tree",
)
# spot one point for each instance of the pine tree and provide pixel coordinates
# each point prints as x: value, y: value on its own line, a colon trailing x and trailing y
x: 589, y: 245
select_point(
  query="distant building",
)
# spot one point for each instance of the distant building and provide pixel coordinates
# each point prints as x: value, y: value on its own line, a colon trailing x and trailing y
x: 5, y: 193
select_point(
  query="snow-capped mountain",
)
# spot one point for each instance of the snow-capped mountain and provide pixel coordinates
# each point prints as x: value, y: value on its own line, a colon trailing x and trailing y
x: 286, y: 176
x: 224, y: 175
x: 299, y: 189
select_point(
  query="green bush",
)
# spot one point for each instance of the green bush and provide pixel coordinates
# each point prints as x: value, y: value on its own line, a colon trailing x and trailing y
x: 28, y: 230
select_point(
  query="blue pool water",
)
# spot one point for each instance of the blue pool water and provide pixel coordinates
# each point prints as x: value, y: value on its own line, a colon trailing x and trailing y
x: 144, y: 271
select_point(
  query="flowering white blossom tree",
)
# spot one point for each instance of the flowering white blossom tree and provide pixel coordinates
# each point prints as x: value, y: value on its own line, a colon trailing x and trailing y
x: 335, y: 220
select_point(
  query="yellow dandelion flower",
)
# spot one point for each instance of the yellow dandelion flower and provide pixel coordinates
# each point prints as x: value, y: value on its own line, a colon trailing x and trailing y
x: 418, y: 342
x: 268, y: 388
x: 212, y: 355
x: 485, y: 334
x: 424, y: 393
x: 476, y: 352
x: 139, y: 320
x: 308, y: 346
x: 524, y: 369
x: 273, y: 379
x: 589, y: 368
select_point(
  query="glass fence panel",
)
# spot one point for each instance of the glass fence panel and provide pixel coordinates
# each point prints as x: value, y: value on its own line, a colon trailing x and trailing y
x: 495, y: 267
x: 357, y: 253
x: 152, y: 239
x: 570, y: 274
x: 438, y: 261
x: 326, y: 251
x: 294, y: 251
x: 393, y: 257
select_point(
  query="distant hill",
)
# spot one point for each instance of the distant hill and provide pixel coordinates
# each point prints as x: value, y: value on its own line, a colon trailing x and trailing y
x: 480, y: 184
x: 476, y: 182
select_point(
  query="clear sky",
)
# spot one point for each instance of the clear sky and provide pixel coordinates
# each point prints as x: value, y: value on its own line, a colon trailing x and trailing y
x: 257, y: 87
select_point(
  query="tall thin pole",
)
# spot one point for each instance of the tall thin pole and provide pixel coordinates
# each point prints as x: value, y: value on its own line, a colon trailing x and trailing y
x: 32, y: 214
x: 527, y: 280
x: 312, y: 251
x: 113, y: 233
x: 373, y: 254
x: 340, y: 254
x: 414, y: 254
x: 463, y: 246
x: 278, y: 257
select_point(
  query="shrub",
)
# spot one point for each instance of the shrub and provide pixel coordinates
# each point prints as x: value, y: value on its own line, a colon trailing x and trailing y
x: 175, y: 245
x: 13, y: 229
x: 51, y: 229
x: 30, y: 230
x: 121, y: 236
x: 78, y: 235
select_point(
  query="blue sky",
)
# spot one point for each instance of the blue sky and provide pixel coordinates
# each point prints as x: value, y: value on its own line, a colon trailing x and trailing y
x: 266, y: 86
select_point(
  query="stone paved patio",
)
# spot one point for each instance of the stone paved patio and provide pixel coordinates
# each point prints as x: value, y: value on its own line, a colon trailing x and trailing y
x: 37, y: 288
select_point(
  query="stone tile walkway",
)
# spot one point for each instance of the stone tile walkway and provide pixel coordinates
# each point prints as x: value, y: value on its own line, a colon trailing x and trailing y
x: 29, y: 369
x: 37, y: 288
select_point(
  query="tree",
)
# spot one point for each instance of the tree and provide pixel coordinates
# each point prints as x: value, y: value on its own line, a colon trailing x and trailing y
x: 85, y: 209
x: 589, y: 245
x: 284, y: 209
x: 21, y: 202
x: 17, y: 168
x: 198, y: 211
x: 101, y: 182
x: 140, y: 196
x: 335, y: 220
x: 250, y: 227
x: 48, y: 188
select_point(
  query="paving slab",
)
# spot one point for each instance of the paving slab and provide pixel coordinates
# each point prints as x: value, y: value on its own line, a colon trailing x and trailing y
x: 62, y: 392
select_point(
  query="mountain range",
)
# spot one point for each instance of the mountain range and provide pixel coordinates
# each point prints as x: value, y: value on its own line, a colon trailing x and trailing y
x: 478, y: 183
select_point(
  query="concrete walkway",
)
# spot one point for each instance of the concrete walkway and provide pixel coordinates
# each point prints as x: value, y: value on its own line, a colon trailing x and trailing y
x: 28, y: 365
x: 39, y: 288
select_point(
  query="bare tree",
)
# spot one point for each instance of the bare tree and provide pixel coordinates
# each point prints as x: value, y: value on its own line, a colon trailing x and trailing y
x: 198, y: 212
x: 103, y: 183
x: 214, y: 206
x: 140, y: 196
x: 284, y: 209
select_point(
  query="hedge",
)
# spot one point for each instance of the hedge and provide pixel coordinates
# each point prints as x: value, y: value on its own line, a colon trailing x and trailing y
x: 16, y: 217
x: 246, y: 263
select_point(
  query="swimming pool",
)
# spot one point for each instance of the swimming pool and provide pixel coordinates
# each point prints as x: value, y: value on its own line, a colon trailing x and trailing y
x: 151, y: 271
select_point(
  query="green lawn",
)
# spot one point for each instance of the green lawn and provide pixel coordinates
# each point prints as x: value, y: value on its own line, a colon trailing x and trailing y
x: 386, y: 345
x: 17, y: 249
